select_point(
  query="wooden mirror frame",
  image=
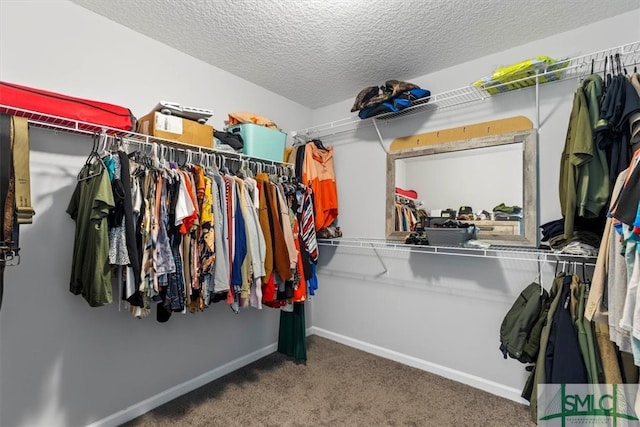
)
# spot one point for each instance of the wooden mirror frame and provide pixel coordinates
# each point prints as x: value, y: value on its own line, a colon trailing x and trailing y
x: 530, y: 236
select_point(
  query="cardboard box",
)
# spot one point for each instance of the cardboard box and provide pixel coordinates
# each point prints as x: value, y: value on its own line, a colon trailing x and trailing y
x: 176, y: 129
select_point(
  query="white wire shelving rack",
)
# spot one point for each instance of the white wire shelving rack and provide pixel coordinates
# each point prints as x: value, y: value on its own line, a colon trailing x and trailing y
x: 62, y: 124
x: 574, y: 68
x: 494, y: 252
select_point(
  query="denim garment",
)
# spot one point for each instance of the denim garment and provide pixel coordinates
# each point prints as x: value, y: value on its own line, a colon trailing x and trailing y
x: 164, y: 258
x: 175, y: 297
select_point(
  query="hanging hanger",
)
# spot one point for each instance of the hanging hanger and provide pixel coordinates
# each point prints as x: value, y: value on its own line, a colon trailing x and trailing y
x: 318, y: 143
x: 252, y: 167
x: 95, y: 148
x: 593, y: 63
x: 184, y: 163
x: 605, y: 82
x: 128, y: 144
x: 208, y: 168
x: 102, y: 145
x: 119, y: 143
x: 155, y: 162
x: 240, y: 173
x: 585, y: 279
x: 282, y: 176
x: 571, y: 264
x: 249, y: 170
x: 223, y: 165
x: 106, y: 147
x: 97, y: 172
x: 187, y: 158
x: 93, y: 157
x: 164, y: 164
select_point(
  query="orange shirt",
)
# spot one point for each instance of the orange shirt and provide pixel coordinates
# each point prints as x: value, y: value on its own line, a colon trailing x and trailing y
x: 318, y: 173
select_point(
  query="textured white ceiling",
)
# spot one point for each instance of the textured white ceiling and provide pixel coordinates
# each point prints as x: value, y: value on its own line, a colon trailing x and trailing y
x: 318, y: 52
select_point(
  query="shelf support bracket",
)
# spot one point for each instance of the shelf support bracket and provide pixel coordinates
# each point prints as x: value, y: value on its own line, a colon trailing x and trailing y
x: 379, y: 259
x: 380, y: 139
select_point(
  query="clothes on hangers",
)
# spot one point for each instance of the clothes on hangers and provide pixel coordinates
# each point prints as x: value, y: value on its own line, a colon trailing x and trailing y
x: 319, y: 174
x: 406, y: 215
x: 634, y: 117
x: 199, y: 237
x: 620, y: 102
x: 89, y: 207
x: 614, y: 296
x: 584, y: 182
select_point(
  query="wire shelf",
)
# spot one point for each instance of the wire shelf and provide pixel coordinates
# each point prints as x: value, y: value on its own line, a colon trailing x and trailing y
x: 576, y: 67
x: 495, y: 252
x: 62, y: 124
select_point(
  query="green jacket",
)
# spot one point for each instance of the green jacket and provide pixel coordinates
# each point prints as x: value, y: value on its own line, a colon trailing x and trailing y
x: 538, y: 376
x: 584, y: 174
x: 584, y: 329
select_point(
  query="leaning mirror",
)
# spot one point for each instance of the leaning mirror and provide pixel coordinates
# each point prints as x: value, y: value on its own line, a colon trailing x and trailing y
x: 490, y: 182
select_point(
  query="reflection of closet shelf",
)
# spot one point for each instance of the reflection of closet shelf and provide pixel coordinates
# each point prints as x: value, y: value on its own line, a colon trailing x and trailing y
x: 48, y: 121
x: 497, y: 252
x: 576, y: 67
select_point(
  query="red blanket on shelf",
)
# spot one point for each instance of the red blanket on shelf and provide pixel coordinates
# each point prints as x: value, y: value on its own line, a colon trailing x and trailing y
x: 66, y: 107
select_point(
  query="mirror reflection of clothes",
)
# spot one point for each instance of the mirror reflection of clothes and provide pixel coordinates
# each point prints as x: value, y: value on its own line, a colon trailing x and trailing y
x: 405, y: 217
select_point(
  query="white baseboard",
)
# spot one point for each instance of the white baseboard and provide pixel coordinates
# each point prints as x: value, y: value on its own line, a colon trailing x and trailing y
x: 161, y: 398
x: 452, y: 374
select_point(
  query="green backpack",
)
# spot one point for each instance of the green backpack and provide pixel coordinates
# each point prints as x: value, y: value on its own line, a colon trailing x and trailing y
x: 522, y: 325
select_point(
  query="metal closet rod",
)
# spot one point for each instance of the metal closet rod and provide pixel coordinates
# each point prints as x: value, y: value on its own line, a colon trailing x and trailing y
x: 190, y: 150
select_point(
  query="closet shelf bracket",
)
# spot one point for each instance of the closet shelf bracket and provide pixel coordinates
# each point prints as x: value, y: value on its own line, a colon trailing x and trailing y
x: 380, y: 139
x: 379, y: 259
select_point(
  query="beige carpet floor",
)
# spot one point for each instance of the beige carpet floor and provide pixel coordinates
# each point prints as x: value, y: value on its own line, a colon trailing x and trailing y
x: 338, y: 386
